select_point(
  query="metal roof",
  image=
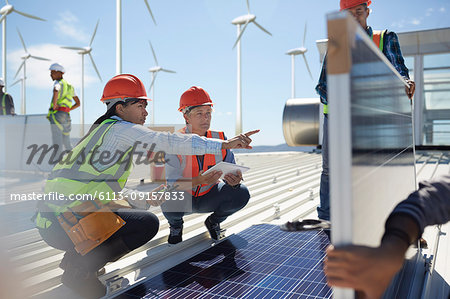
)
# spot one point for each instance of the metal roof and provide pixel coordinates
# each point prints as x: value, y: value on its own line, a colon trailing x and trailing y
x: 288, y: 180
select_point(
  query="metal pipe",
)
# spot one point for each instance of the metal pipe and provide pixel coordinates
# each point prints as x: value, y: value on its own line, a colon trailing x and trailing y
x: 118, y: 37
x: 292, y: 76
x: 153, y: 100
x: 4, y: 53
x: 24, y: 100
x: 239, y: 91
x: 82, y: 98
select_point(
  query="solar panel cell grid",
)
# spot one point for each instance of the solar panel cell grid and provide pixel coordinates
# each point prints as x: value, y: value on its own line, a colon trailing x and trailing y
x: 260, y: 262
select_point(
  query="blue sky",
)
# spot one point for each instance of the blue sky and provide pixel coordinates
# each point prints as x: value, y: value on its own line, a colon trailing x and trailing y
x: 194, y: 38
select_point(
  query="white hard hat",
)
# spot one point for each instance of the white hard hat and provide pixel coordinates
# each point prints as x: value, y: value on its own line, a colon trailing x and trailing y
x: 57, y: 67
x: 2, y: 82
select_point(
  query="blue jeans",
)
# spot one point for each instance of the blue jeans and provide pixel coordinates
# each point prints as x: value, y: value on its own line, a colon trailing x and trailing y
x: 323, y: 210
x: 60, y: 123
x: 223, y: 200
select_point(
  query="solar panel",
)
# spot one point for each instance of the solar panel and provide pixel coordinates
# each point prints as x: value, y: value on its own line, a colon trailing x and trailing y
x: 260, y: 262
x: 371, y: 136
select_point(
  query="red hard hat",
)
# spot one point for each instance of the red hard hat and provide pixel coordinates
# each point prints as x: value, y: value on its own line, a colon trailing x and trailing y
x: 124, y: 86
x: 194, y: 96
x: 346, y: 4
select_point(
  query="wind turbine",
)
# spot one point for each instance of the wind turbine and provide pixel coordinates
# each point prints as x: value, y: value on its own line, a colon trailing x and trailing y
x: 119, y: 33
x: 154, y: 70
x: 4, y: 11
x: 298, y: 51
x: 242, y: 20
x: 83, y: 51
x: 24, y: 66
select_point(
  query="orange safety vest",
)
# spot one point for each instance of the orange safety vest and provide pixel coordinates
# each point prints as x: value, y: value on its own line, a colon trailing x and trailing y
x: 193, y: 164
x: 378, y: 38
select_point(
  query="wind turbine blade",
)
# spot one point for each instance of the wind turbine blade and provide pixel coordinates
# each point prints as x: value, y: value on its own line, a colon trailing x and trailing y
x: 307, y: 66
x: 21, y: 39
x: 248, y: 7
x: 153, y: 51
x: 17, y: 81
x: 2, y: 18
x: 150, y: 11
x: 240, y: 35
x: 168, y: 71
x: 304, y: 37
x: 93, y: 34
x: 20, y: 67
x: 262, y: 28
x: 40, y: 58
x: 28, y: 15
x: 153, y: 81
x: 73, y: 48
x: 95, y: 67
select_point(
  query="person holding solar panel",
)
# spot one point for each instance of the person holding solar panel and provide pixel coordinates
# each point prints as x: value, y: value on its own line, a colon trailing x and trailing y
x: 387, y: 42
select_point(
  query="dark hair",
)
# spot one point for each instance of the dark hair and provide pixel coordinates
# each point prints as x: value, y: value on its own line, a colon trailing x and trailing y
x: 108, y: 114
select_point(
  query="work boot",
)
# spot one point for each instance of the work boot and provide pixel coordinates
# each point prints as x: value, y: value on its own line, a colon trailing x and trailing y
x: 68, y: 257
x: 83, y: 282
x: 175, y: 235
x: 214, y: 229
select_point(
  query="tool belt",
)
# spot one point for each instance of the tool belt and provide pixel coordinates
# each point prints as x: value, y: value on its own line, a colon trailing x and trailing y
x: 87, y: 228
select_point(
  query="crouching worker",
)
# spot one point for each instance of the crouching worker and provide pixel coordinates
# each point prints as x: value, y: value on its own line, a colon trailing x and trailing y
x: 208, y: 194
x: 103, y: 229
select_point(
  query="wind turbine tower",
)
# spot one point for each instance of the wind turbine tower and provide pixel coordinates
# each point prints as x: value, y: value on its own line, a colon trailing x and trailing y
x: 154, y: 70
x: 119, y: 33
x: 242, y: 20
x: 4, y: 11
x: 294, y: 52
x: 24, y: 66
x: 83, y: 51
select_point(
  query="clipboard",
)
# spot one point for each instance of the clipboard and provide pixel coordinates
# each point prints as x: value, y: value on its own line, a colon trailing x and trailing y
x: 226, y: 168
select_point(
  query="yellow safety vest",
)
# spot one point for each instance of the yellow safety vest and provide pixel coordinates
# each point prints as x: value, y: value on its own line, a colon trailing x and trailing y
x: 65, y: 96
x: 75, y: 174
x: 4, y: 103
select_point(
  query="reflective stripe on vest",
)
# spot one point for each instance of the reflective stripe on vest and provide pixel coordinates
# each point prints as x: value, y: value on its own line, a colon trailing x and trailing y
x: 378, y: 39
x: 4, y: 103
x: 192, y: 165
x: 65, y: 96
x: 76, y: 174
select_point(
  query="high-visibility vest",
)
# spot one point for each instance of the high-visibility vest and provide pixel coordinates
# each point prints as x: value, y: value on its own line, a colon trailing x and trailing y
x: 378, y: 39
x: 76, y: 174
x: 4, y: 104
x: 65, y: 95
x: 192, y: 165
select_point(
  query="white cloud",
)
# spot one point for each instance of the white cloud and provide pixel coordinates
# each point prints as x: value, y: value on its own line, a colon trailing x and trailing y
x: 429, y: 12
x: 415, y: 21
x: 38, y: 75
x: 68, y: 25
x: 442, y: 9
